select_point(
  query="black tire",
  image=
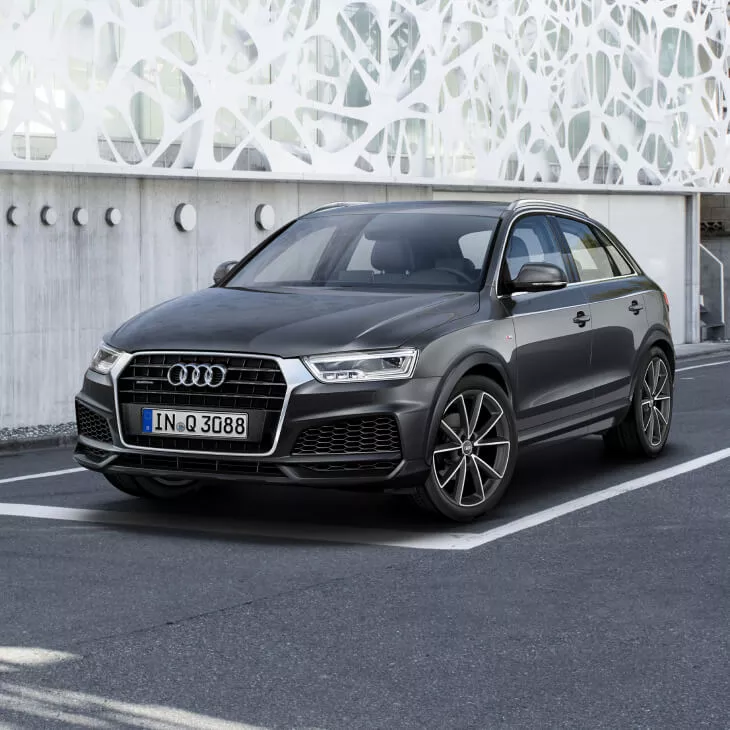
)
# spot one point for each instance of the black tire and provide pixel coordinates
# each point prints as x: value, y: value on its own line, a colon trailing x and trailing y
x: 635, y: 435
x: 488, y: 466
x: 155, y: 488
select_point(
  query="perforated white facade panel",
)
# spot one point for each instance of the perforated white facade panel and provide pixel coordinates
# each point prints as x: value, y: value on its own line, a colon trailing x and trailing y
x: 568, y: 91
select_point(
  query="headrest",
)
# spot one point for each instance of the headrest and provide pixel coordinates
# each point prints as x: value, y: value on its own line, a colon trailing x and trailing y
x: 392, y: 256
x: 518, y: 249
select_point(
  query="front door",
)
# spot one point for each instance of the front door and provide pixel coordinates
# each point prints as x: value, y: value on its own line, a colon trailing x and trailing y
x: 553, y: 332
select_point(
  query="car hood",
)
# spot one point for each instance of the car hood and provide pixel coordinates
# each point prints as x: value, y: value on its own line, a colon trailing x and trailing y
x: 290, y: 323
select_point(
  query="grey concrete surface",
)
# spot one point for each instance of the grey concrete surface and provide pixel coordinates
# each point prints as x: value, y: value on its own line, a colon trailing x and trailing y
x: 610, y: 617
x: 63, y: 287
x: 702, y: 349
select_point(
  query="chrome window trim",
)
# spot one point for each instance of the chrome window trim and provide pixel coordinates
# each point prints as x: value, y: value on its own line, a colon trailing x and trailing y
x: 544, y: 210
x: 574, y: 306
x: 293, y: 370
x: 602, y: 281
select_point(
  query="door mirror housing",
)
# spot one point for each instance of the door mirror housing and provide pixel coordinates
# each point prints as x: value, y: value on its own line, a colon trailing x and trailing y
x: 540, y: 277
x: 222, y: 271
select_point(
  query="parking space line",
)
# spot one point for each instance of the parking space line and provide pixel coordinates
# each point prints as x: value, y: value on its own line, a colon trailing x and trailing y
x: 41, y: 475
x: 434, y: 540
x: 706, y: 365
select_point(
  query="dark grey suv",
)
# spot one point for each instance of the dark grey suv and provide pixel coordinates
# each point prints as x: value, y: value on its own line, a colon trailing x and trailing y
x: 412, y: 347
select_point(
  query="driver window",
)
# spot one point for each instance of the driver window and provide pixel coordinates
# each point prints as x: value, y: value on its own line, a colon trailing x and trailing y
x: 531, y: 241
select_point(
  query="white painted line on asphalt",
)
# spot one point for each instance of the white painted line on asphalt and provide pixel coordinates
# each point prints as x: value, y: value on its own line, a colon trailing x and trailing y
x: 706, y: 365
x: 41, y: 475
x: 305, y: 531
x: 437, y: 540
x: 547, y: 515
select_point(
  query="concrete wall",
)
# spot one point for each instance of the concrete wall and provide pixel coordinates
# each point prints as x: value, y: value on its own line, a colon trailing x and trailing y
x: 63, y: 286
x: 715, y: 208
x: 652, y: 227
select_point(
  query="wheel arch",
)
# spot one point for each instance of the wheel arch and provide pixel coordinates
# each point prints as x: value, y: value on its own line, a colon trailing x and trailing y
x: 484, y: 363
x: 656, y: 337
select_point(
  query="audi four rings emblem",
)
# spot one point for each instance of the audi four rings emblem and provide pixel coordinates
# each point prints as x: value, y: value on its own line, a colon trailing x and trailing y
x: 189, y: 374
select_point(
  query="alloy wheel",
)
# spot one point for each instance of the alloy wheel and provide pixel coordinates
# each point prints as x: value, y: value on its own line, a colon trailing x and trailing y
x: 472, y: 449
x: 656, y: 401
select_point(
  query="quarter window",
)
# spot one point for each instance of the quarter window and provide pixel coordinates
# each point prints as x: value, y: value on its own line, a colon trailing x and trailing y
x: 592, y: 260
x: 622, y: 265
x: 532, y: 242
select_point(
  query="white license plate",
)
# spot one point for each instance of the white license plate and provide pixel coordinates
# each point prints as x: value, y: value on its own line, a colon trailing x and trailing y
x: 195, y: 423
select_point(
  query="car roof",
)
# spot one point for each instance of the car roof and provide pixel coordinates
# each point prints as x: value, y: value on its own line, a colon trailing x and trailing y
x: 458, y: 207
x: 462, y: 207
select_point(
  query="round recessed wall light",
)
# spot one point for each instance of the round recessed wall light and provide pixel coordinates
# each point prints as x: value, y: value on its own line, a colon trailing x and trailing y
x: 186, y: 217
x: 80, y: 216
x: 49, y: 217
x: 113, y: 216
x: 14, y: 215
x: 265, y: 217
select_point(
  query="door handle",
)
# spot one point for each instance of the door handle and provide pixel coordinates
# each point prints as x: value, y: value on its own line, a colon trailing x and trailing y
x: 635, y: 307
x: 581, y: 319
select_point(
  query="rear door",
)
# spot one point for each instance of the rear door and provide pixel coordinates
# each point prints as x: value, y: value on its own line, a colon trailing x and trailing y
x: 618, y: 315
x: 552, y: 331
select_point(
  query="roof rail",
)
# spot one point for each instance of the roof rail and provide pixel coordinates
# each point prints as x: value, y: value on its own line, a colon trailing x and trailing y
x: 341, y: 204
x: 529, y: 202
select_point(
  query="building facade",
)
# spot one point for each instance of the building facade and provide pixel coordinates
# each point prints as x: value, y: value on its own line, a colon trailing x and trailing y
x: 139, y: 139
x: 556, y: 91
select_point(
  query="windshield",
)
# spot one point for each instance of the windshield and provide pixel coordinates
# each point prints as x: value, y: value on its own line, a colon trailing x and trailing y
x: 394, y: 250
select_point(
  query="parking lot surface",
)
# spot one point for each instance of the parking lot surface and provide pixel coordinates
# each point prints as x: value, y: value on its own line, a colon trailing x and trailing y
x: 596, y: 596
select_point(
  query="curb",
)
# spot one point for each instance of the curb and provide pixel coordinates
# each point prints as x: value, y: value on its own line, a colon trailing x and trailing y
x: 68, y: 437
x: 19, y: 445
x: 686, y: 352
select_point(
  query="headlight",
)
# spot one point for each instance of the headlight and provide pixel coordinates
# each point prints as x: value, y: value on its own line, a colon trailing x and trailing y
x: 104, y: 359
x: 356, y: 367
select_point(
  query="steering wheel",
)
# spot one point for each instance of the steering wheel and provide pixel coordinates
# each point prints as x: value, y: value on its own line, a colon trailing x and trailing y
x: 455, y: 272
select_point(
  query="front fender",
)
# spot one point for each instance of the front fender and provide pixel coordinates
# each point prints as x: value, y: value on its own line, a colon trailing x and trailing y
x: 484, y: 362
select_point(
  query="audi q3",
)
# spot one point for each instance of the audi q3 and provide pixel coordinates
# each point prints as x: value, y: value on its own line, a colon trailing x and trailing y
x: 412, y: 347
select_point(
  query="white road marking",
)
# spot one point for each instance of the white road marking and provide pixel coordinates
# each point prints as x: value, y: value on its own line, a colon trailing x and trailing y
x: 706, y: 365
x: 42, y: 475
x: 440, y: 540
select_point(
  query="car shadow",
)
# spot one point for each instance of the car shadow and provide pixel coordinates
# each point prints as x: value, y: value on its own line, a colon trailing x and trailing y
x: 546, y: 475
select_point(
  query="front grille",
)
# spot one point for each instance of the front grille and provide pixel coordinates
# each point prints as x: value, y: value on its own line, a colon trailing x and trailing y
x: 365, y: 435
x: 155, y: 462
x: 92, y: 425
x: 252, y: 384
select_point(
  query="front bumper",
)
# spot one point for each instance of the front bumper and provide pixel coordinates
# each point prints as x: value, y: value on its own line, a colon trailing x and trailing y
x: 101, y: 444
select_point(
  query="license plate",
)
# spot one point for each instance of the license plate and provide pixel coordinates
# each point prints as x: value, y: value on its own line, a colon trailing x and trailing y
x: 195, y: 423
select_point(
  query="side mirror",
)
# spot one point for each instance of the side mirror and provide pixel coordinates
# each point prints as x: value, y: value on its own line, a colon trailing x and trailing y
x: 540, y: 277
x: 222, y: 271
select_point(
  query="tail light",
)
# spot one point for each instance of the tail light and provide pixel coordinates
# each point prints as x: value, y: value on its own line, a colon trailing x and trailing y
x: 666, y: 299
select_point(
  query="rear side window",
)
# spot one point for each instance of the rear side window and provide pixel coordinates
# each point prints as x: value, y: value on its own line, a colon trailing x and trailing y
x: 592, y: 260
x: 622, y: 265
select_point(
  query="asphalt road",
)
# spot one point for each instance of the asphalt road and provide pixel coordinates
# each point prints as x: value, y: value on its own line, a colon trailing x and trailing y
x: 291, y: 608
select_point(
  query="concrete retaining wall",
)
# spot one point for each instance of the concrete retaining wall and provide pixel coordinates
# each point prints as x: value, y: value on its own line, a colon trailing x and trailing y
x: 63, y: 286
